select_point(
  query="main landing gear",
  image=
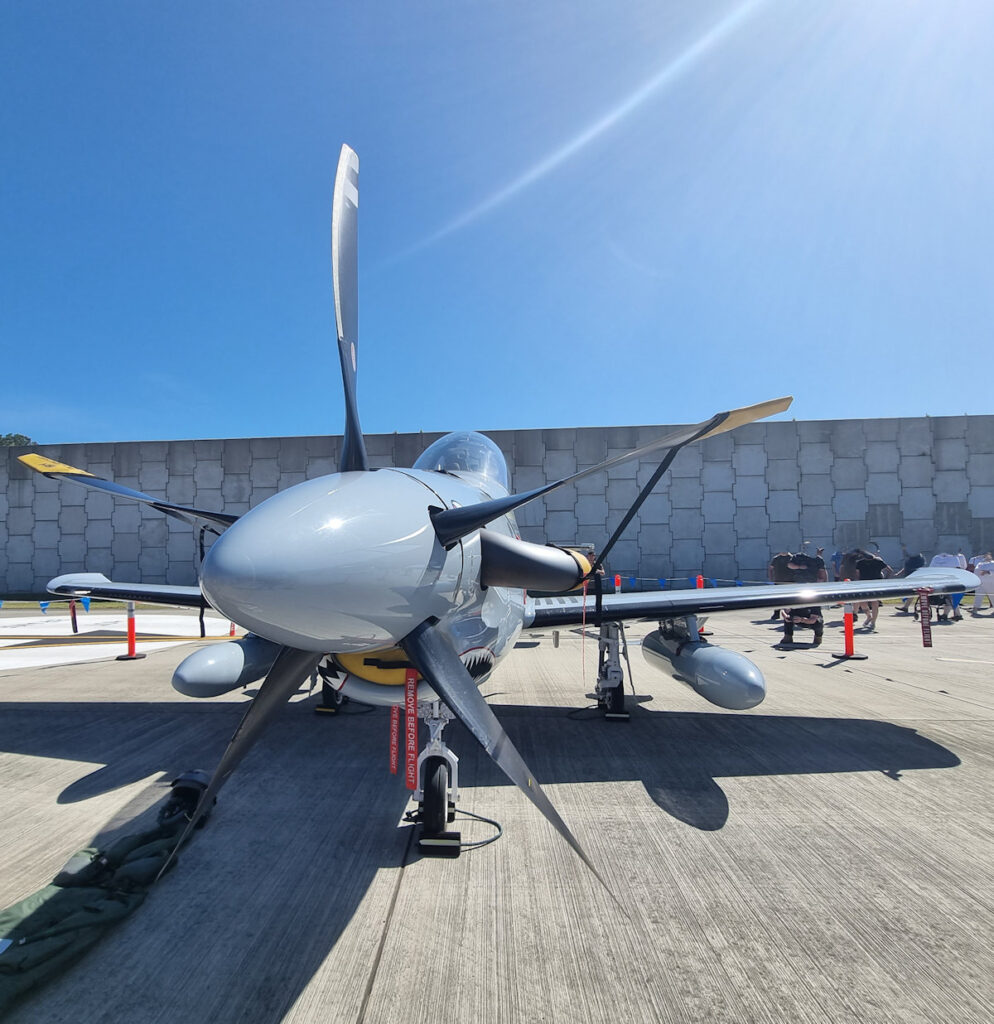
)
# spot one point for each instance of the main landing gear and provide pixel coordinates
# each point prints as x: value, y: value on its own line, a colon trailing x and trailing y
x: 610, y: 688
x: 332, y: 698
x: 438, y: 786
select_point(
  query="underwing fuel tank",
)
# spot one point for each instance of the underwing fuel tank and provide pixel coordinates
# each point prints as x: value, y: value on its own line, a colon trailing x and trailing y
x: 725, y: 678
x: 219, y: 668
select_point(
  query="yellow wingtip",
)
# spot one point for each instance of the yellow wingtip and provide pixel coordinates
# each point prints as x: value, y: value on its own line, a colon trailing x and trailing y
x: 42, y: 465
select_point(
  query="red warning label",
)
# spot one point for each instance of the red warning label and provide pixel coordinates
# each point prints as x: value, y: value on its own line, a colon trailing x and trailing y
x: 926, y: 618
x: 411, y: 731
x: 394, y: 739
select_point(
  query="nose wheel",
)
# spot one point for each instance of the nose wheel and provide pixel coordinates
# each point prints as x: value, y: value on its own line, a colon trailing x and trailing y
x: 434, y: 812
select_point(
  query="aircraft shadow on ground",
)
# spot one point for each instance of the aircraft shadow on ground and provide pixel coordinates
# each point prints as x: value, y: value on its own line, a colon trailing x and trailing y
x: 677, y: 755
x: 302, y: 867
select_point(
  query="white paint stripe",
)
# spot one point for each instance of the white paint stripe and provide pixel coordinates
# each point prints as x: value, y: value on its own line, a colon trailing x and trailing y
x: 181, y: 626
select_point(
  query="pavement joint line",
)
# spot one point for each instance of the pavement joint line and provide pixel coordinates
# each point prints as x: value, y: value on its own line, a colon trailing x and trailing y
x: 375, y: 968
x: 926, y: 689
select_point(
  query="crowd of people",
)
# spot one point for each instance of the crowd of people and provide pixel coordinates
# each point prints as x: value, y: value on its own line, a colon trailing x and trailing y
x: 861, y: 564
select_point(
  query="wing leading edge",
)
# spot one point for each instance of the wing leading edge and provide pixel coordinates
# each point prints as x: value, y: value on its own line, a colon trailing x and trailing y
x: 95, y: 584
x: 548, y: 612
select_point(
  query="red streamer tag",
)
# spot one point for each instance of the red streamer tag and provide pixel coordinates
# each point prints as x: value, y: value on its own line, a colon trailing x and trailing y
x: 394, y: 739
x: 926, y: 617
x: 411, y: 723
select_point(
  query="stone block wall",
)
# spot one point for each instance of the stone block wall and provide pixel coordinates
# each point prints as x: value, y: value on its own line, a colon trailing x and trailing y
x: 725, y: 505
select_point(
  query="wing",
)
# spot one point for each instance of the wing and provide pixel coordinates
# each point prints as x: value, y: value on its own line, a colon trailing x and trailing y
x: 60, y: 471
x: 569, y: 610
x: 95, y: 584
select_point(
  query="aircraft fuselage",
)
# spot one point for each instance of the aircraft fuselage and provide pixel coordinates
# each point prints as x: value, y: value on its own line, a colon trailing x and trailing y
x: 350, y: 563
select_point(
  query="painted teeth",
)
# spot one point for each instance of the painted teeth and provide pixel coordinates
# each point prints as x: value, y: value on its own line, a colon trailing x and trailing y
x: 478, y: 663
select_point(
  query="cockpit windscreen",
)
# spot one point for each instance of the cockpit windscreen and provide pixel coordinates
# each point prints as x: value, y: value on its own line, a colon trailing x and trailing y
x: 465, y: 452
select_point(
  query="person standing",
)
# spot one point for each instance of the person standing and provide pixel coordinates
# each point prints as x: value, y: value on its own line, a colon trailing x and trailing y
x: 836, y: 559
x: 872, y: 567
x: 945, y: 560
x: 777, y: 572
x: 983, y: 566
x: 911, y: 563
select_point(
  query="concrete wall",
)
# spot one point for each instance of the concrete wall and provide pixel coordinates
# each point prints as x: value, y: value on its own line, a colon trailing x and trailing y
x: 724, y: 506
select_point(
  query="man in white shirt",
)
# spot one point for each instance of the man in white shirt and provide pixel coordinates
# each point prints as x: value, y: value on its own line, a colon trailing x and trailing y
x: 983, y: 566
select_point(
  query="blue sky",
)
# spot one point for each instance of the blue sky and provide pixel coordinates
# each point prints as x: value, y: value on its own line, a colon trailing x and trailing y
x: 571, y: 214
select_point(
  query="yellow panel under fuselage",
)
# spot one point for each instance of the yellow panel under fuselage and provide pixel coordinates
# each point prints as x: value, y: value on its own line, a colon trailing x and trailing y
x: 387, y: 667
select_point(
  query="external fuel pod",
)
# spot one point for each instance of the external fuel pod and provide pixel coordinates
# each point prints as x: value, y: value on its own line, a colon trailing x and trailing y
x: 214, y: 670
x: 725, y: 678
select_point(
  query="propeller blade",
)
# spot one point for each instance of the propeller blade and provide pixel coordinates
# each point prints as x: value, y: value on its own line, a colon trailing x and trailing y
x: 60, y: 471
x: 289, y: 670
x: 432, y: 654
x: 453, y: 523
x: 345, y: 277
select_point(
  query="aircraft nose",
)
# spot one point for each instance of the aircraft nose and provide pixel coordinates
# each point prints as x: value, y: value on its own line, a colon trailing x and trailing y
x: 229, y: 566
x: 342, y: 563
x: 228, y: 576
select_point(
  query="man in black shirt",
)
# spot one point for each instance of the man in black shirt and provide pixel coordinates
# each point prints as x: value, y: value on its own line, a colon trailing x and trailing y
x: 777, y: 572
x: 872, y: 567
x: 805, y: 569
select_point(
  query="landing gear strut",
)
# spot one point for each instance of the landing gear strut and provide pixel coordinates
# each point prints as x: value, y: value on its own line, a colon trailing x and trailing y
x: 438, y: 786
x: 610, y: 688
x: 332, y: 698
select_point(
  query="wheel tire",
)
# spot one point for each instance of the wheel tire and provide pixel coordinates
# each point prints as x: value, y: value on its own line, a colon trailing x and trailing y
x: 435, y: 802
x: 615, y: 700
x: 330, y: 697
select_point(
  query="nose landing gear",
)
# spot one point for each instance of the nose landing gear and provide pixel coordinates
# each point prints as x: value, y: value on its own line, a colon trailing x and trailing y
x: 438, y: 786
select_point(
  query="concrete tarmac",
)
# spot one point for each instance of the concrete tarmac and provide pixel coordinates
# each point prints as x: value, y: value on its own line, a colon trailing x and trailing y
x: 825, y: 857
